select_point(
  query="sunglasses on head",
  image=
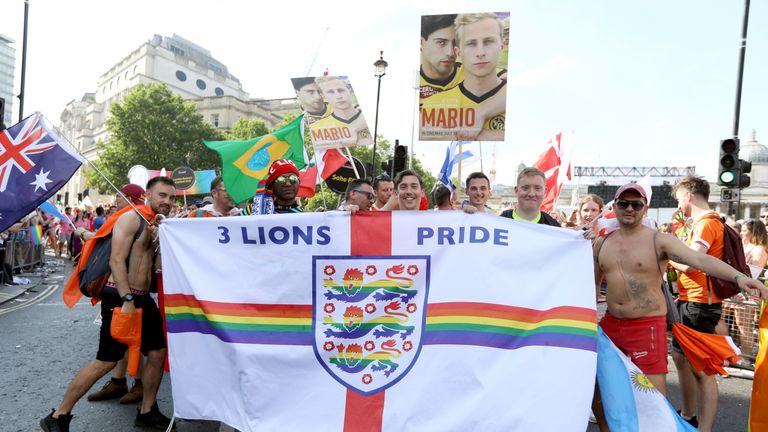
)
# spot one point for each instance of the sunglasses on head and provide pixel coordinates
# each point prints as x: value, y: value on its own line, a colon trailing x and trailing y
x: 293, y: 178
x: 624, y: 204
x: 369, y: 195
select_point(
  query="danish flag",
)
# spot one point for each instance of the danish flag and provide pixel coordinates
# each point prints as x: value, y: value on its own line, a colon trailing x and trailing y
x: 555, y: 162
x: 16, y: 149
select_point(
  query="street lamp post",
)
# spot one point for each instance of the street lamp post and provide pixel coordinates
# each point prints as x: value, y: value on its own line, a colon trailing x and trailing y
x: 381, y: 70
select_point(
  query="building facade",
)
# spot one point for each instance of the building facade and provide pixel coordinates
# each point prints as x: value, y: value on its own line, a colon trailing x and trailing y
x: 188, y: 70
x: 7, y: 68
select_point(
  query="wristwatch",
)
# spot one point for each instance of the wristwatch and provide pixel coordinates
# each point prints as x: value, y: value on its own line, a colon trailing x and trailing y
x: 128, y: 297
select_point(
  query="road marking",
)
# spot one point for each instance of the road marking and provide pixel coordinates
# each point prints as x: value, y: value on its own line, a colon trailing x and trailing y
x: 43, y: 295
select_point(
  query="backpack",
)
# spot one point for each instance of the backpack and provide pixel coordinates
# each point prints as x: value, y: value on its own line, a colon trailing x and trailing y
x: 96, y: 271
x: 733, y: 255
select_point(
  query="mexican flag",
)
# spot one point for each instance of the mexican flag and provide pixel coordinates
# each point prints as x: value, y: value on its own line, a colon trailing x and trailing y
x: 245, y: 163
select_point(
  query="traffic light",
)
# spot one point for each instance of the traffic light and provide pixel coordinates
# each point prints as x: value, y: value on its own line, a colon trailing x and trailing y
x: 745, y: 167
x: 386, y: 167
x: 728, y: 172
x: 400, y: 161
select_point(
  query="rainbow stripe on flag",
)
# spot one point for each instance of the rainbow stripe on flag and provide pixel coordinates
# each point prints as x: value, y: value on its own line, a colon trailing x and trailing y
x: 240, y: 323
x: 478, y: 324
x: 36, y: 235
x: 510, y: 327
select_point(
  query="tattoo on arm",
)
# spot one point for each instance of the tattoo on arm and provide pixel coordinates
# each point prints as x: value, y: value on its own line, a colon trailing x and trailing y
x: 678, y: 259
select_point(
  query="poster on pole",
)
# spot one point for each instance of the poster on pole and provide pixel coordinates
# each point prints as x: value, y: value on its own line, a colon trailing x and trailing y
x: 463, y: 76
x: 332, y: 114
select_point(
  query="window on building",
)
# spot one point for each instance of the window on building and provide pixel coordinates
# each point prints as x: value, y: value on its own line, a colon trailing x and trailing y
x: 219, y: 91
x: 200, y: 84
x: 177, y: 50
x: 181, y: 76
x: 215, y: 120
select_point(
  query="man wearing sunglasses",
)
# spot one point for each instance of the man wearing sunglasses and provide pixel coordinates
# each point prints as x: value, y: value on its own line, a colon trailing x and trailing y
x: 631, y: 260
x: 359, y: 196
x: 283, y: 181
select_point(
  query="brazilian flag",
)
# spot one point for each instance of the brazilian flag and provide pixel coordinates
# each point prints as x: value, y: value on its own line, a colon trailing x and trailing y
x: 245, y: 163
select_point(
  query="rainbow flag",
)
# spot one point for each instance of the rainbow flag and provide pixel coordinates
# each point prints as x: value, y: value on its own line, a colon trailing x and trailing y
x: 478, y: 324
x: 383, y: 321
x: 36, y: 234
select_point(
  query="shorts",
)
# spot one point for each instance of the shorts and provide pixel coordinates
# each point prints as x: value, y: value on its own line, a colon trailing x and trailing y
x: 644, y: 340
x: 63, y: 238
x: 152, y: 337
x: 701, y: 317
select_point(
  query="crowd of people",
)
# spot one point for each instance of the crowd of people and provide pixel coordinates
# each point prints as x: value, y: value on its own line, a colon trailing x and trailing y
x: 630, y: 263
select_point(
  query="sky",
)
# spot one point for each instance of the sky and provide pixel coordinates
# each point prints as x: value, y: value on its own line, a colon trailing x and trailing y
x: 649, y: 83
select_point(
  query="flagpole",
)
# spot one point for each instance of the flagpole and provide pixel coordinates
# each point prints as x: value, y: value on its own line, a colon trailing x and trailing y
x: 352, y: 162
x: 480, y: 144
x: 23, y: 62
x: 461, y: 154
x: 130, y: 203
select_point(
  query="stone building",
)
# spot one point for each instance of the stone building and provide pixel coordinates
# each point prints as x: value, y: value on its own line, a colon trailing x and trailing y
x: 188, y: 70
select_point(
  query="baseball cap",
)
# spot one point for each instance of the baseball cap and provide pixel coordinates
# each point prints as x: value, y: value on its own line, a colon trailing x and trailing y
x: 631, y: 187
x: 208, y: 200
x: 134, y: 192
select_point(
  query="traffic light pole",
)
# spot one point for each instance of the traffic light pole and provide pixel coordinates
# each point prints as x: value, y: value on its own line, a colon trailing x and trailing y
x: 740, y: 74
x: 737, y: 105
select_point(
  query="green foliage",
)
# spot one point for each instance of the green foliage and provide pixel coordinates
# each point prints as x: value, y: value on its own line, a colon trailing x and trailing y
x: 156, y: 128
x: 245, y: 129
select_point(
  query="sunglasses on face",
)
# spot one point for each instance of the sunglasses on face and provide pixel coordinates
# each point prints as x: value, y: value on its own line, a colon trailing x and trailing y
x: 369, y: 195
x: 293, y: 178
x: 764, y: 216
x: 624, y: 204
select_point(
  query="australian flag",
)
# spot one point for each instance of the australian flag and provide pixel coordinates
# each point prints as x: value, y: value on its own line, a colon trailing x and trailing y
x: 34, y: 164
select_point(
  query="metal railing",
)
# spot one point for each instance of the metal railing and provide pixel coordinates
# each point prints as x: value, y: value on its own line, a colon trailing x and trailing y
x: 20, y: 252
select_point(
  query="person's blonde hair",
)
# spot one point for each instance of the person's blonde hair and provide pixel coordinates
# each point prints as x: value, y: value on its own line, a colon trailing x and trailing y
x: 471, y: 18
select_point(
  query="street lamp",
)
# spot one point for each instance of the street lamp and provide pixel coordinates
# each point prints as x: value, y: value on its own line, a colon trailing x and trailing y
x: 381, y: 70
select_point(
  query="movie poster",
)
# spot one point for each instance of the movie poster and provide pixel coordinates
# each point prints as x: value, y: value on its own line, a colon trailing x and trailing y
x: 463, y: 76
x: 331, y: 112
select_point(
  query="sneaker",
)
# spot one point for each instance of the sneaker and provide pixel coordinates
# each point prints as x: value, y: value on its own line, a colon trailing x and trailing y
x: 60, y: 424
x: 133, y: 396
x: 154, y: 419
x: 111, y: 390
x: 693, y: 421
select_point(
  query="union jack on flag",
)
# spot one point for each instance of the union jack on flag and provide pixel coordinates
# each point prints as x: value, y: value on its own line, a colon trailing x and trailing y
x: 34, y: 164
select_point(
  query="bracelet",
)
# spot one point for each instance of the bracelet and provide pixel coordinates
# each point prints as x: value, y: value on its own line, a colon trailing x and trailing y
x: 736, y: 278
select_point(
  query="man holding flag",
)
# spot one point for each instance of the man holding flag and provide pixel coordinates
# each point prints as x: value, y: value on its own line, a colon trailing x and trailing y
x: 631, y: 260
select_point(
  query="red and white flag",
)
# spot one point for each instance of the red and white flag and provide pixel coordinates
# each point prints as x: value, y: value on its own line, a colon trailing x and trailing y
x: 324, y: 163
x: 555, y: 162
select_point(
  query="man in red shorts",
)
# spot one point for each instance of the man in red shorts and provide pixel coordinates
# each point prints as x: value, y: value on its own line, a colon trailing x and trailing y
x: 631, y: 260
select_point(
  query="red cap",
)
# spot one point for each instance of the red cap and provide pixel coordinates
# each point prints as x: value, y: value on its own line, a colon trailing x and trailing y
x: 280, y: 167
x: 631, y: 187
x: 134, y: 192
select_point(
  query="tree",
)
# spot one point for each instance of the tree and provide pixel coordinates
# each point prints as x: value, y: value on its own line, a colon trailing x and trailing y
x: 245, y: 129
x: 156, y: 128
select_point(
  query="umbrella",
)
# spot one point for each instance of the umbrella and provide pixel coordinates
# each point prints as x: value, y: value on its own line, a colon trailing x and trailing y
x: 706, y: 352
x: 126, y: 328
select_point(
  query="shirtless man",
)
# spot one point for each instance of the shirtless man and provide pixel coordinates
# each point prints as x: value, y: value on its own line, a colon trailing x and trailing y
x: 132, y: 265
x: 636, y: 317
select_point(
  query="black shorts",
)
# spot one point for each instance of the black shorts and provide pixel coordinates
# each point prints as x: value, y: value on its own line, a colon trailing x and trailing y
x: 152, y: 337
x: 701, y: 317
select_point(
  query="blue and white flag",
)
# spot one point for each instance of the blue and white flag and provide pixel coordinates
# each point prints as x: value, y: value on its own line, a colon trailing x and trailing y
x: 451, y: 163
x: 51, y: 209
x: 34, y: 164
x: 630, y: 401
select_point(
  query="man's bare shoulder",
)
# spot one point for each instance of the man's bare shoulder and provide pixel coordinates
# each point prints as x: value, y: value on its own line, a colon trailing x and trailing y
x: 126, y: 224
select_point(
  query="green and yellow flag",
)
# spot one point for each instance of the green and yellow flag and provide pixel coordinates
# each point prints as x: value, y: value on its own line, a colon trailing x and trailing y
x: 245, y: 163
